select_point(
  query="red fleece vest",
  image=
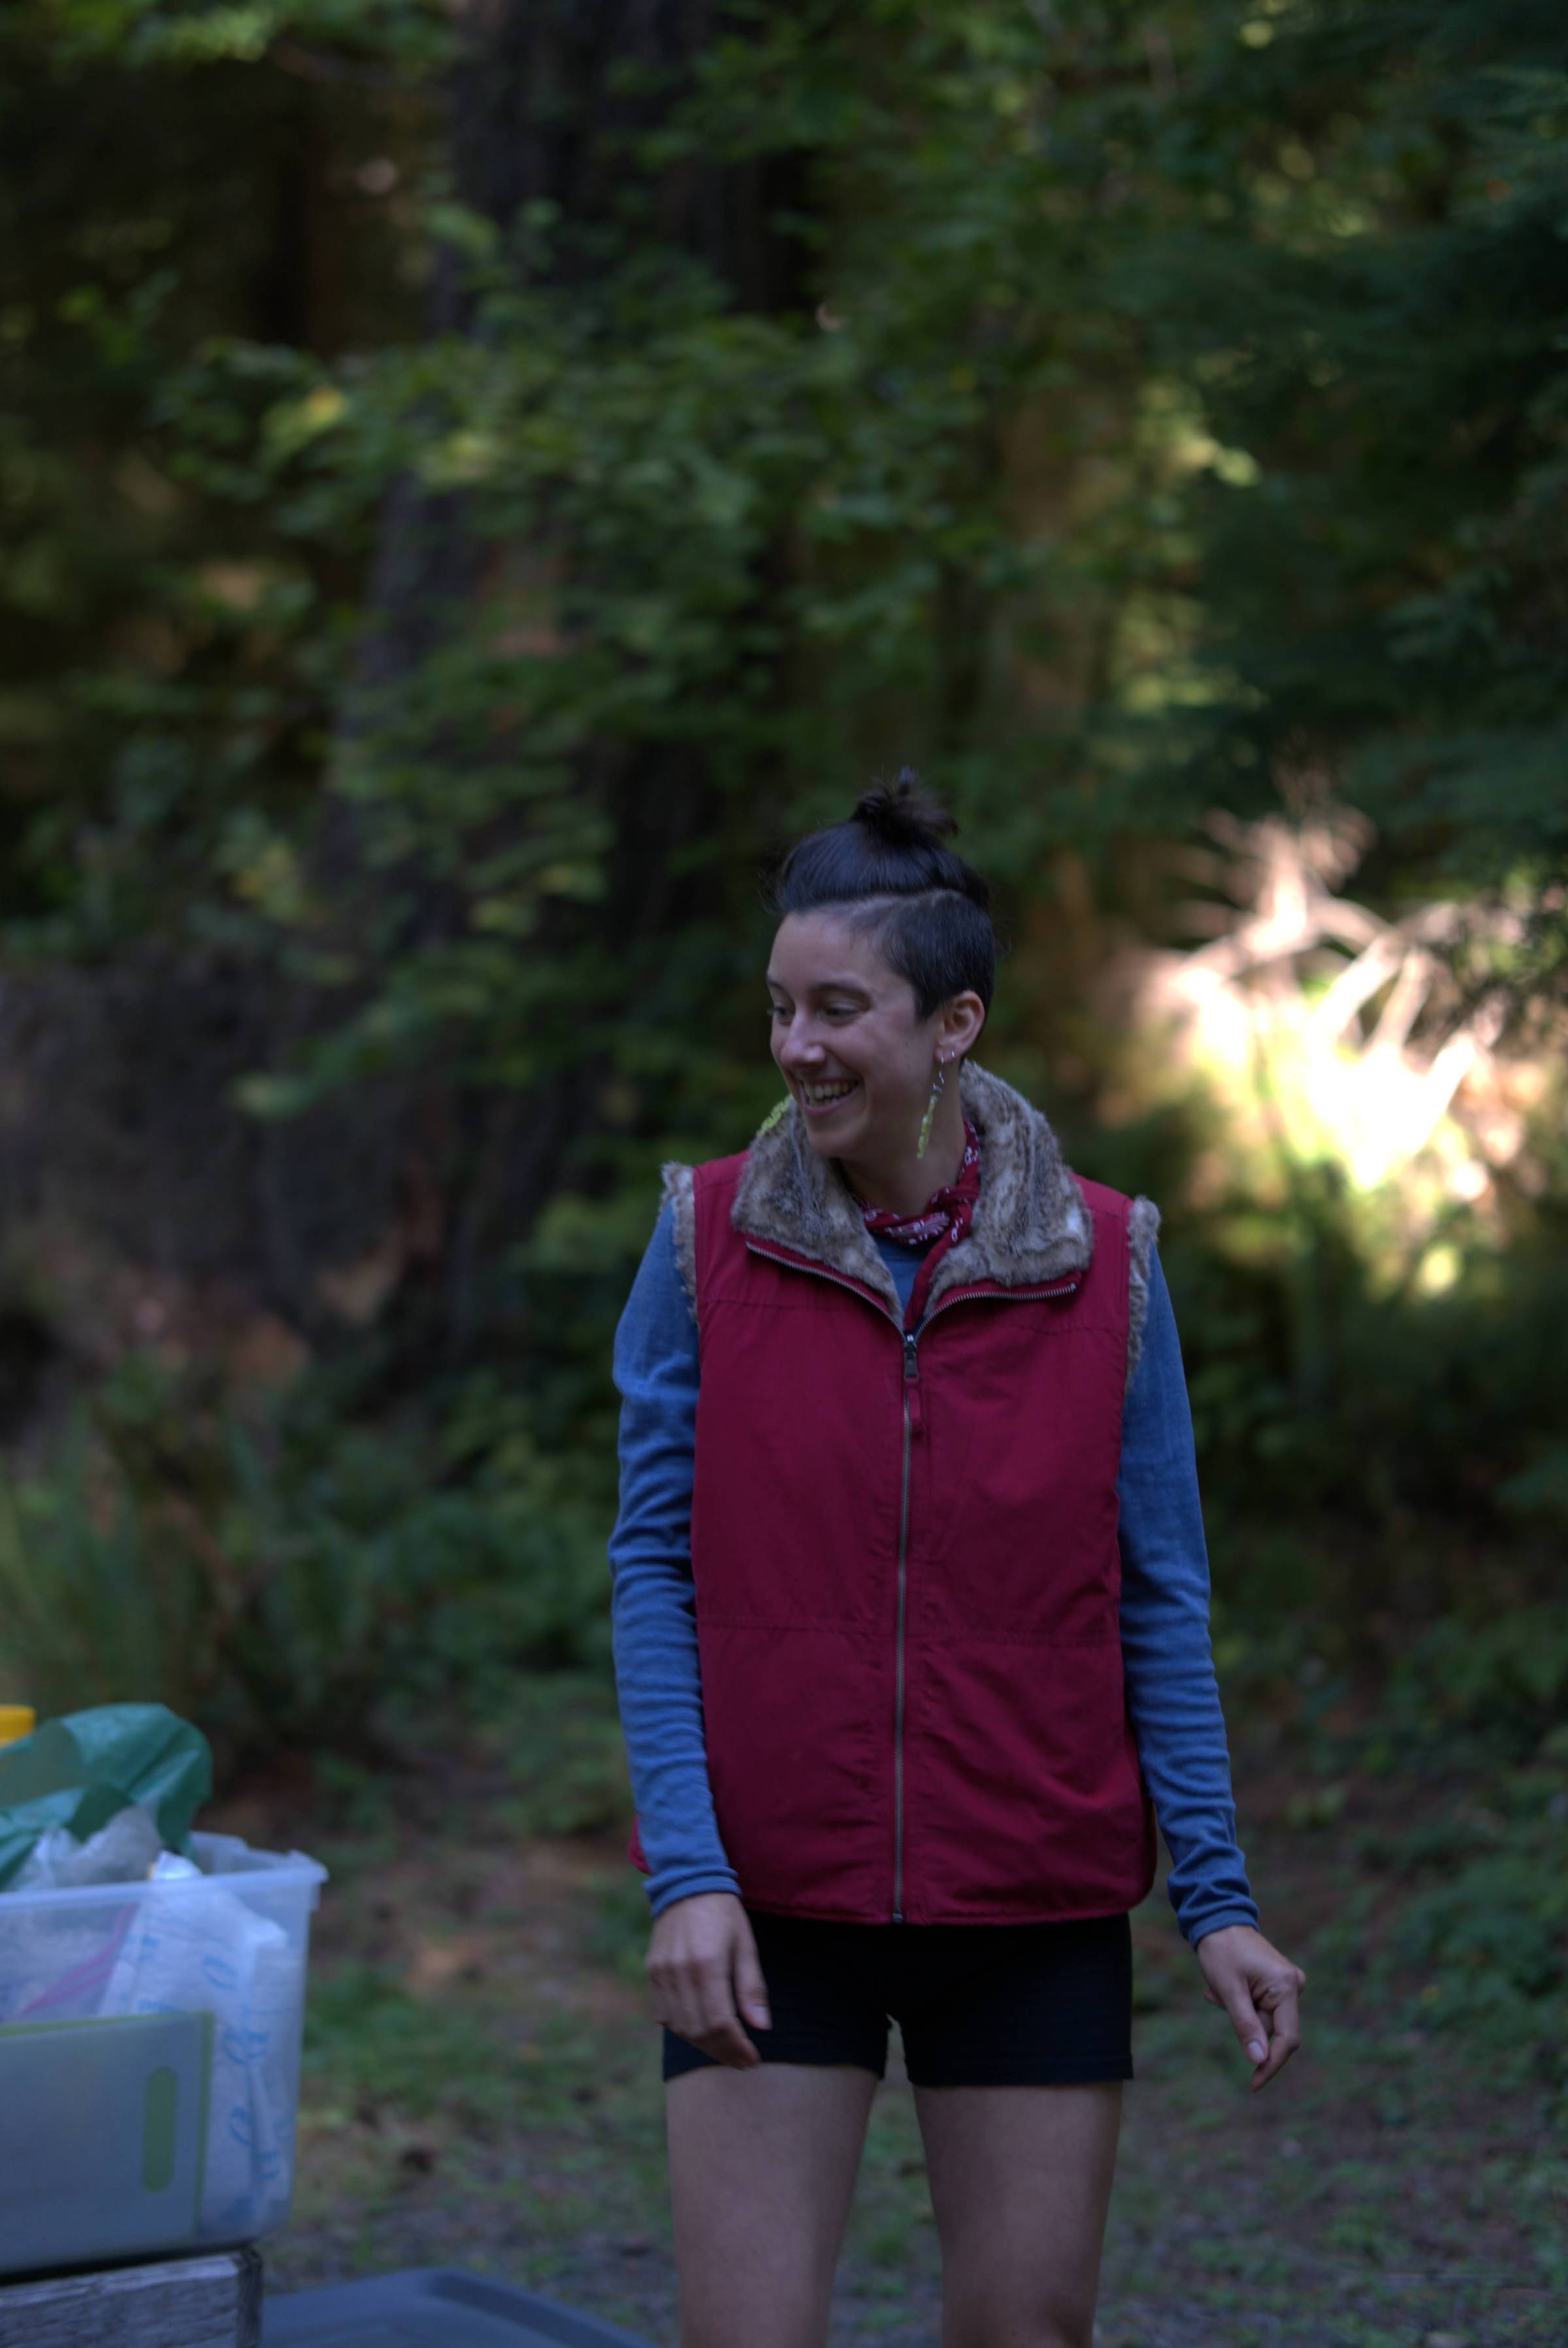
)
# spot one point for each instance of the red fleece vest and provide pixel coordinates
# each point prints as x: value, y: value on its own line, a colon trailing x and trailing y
x: 906, y: 1586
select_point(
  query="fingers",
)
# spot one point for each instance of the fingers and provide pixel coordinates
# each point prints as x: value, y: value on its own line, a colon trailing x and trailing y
x: 696, y: 2004
x: 1245, y: 2020
x: 1261, y: 1991
x: 721, y: 2031
x: 1267, y: 2018
x: 694, y: 1959
x: 1281, y: 2000
x: 751, y: 1989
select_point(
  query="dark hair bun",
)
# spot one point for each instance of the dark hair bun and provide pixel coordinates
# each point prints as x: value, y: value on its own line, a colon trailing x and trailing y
x: 889, y: 864
x: 905, y: 816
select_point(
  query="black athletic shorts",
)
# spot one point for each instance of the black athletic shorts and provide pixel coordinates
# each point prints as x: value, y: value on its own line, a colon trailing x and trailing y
x: 979, y: 2006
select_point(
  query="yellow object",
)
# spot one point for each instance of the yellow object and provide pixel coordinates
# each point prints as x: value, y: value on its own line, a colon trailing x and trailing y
x: 17, y: 1720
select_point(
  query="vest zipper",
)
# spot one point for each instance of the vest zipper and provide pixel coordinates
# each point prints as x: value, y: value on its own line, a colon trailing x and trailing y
x: 911, y: 1378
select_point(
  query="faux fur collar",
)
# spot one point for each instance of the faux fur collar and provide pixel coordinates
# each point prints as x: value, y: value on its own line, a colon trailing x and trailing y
x: 1029, y: 1224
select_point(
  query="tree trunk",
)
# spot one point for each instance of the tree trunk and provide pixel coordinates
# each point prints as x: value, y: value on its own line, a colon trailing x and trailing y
x: 537, y: 110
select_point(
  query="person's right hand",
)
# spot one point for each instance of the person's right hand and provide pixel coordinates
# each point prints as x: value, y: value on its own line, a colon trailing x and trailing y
x: 702, y: 1964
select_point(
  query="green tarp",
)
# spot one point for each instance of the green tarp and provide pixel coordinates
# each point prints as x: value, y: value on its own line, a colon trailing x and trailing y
x: 78, y: 1771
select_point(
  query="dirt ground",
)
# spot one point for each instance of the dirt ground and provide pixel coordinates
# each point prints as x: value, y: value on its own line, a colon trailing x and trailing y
x: 482, y: 2090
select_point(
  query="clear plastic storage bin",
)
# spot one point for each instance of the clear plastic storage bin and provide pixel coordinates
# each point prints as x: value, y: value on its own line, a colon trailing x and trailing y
x: 149, y: 2058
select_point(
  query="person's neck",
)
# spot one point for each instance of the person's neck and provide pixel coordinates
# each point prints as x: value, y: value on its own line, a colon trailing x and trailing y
x: 904, y: 1183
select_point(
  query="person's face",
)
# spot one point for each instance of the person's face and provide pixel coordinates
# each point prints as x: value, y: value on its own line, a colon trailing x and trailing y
x: 844, y: 1035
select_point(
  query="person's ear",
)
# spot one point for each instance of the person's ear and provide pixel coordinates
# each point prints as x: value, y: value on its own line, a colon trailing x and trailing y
x: 962, y: 1021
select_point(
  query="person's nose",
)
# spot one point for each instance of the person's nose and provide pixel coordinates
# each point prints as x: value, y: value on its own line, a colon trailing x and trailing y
x: 799, y: 1048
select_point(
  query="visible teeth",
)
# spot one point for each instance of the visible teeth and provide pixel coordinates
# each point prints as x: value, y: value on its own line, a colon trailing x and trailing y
x: 818, y: 1094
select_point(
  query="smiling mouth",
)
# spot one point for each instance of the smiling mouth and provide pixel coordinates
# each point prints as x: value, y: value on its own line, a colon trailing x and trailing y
x: 827, y: 1096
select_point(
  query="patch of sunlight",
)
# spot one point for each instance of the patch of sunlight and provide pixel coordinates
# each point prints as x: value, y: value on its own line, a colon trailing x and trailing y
x: 294, y: 423
x: 1325, y: 1034
x: 462, y: 460
x: 1438, y: 1269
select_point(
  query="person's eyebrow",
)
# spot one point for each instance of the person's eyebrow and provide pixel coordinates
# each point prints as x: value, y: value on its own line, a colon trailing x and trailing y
x: 827, y: 986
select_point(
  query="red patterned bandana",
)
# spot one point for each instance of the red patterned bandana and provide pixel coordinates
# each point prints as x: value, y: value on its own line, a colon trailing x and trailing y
x: 949, y: 1208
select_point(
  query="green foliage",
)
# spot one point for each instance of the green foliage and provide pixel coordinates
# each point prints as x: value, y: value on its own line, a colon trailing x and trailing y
x: 1365, y: 292
x: 1388, y: 1413
x: 1459, y: 1926
x: 279, y: 1580
x: 431, y: 596
x: 841, y: 539
x: 1508, y: 1677
x: 141, y: 33
x: 556, y: 1734
x: 1479, y: 1945
x: 1199, y: 275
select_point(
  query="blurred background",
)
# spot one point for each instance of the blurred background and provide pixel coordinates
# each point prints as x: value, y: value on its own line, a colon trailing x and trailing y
x: 475, y: 479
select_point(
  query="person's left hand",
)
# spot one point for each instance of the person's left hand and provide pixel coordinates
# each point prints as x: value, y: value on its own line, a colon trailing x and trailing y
x: 1254, y: 1984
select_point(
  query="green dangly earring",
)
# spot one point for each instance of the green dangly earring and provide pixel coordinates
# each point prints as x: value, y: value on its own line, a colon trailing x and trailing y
x: 937, y: 1088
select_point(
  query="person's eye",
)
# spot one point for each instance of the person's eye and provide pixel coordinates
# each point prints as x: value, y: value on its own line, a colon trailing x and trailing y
x: 843, y: 1010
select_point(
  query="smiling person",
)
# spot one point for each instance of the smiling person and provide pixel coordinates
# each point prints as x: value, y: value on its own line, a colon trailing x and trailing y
x: 911, y: 1634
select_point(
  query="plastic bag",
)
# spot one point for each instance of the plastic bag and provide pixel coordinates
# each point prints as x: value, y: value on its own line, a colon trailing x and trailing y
x: 80, y: 1772
x: 125, y: 1851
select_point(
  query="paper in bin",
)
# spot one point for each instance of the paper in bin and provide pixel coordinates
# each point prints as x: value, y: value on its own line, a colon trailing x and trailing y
x: 203, y: 1949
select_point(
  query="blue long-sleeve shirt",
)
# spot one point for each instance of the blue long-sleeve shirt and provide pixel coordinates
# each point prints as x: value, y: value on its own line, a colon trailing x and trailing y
x: 1172, y: 1693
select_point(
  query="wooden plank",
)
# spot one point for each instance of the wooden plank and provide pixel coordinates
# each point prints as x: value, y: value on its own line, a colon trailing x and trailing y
x: 204, y: 2302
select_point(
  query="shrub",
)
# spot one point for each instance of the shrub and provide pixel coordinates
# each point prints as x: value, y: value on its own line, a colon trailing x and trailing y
x: 278, y: 1578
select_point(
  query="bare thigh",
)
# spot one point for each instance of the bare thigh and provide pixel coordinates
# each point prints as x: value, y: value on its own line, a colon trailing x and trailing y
x: 1020, y: 2186
x: 763, y: 2164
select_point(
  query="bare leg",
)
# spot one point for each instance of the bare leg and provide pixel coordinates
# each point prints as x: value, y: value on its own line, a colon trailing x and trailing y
x: 1020, y: 2188
x: 763, y: 2164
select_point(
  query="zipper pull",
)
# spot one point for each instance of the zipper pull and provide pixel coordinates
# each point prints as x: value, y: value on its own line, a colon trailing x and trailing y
x: 911, y: 1383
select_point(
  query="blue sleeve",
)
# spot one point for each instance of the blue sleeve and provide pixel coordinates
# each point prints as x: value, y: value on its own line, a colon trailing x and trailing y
x: 1173, y: 1696
x: 653, y: 1601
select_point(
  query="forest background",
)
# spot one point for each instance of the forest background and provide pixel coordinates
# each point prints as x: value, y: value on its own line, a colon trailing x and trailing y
x: 477, y: 480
